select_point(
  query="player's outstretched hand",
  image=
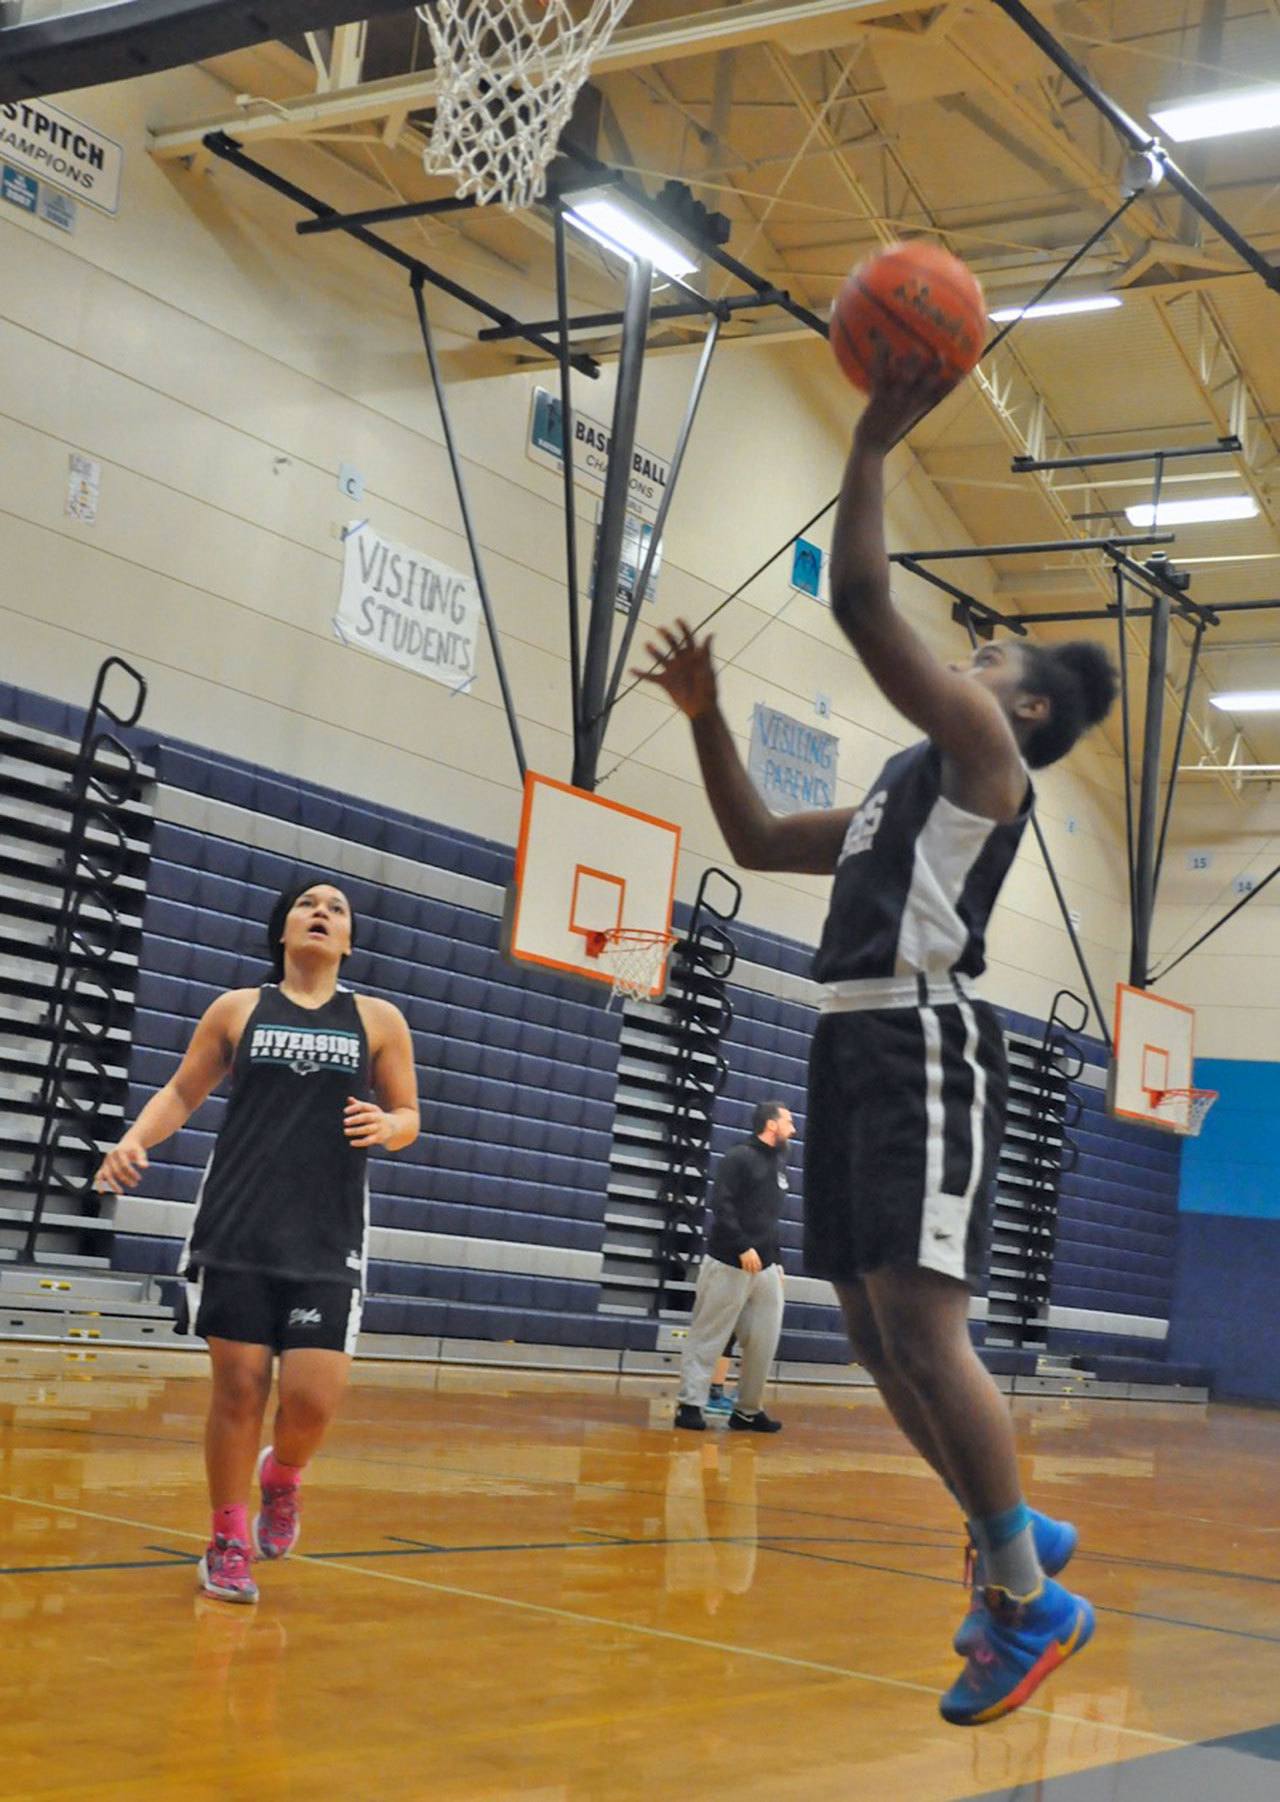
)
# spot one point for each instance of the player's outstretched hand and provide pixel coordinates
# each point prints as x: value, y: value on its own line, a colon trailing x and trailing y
x: 903, y: 390
x: 683, y: 669
x: 122, y: 1167
x: 365, y: 1124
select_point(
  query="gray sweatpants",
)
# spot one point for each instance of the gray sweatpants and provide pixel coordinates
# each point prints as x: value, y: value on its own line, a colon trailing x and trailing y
x: 730, y: 1299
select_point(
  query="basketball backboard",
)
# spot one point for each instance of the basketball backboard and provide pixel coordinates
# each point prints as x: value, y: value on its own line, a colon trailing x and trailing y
x: 585, y: 866
x: 1154, y: 1053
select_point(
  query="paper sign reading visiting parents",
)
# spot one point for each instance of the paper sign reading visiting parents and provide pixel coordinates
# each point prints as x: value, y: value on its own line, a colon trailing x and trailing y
x: 401, y: 604
x: 793, y: 766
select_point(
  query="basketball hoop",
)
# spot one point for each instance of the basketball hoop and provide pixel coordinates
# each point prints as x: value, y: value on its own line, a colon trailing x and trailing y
x: 633, y: 957
x: 1198, y: 1101
x: 508, y: 73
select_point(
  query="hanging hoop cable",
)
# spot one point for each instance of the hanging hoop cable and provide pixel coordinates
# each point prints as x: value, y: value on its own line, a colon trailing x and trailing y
x: 1061, y: 274
x: 1159, y: 975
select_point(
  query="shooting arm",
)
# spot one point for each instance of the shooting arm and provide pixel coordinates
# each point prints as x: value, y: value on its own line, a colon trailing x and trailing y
x: 961, y: 716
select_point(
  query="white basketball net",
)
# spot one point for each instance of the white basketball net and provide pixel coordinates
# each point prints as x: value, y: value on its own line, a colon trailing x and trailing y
x: 1198, y: 1101
x: 509, y: 72
x: 635, y: 960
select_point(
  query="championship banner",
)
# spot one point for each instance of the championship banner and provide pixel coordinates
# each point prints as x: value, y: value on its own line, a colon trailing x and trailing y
x: 402, y: 605
x: 649, y: 474
x: 41, y: 139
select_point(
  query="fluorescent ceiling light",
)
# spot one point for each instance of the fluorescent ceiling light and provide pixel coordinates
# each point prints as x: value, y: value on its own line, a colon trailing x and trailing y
x: 1191, y: 513
x: 1051, y: 309
x: 1221, y: 115
x: 1257, y: 700
x: 611, y: 223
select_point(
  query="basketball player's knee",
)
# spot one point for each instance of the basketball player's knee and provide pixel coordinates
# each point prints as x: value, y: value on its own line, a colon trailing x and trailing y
x: 860, y: 1327
x: 241, y: 1393
x: 306, y: 1410
x: 866, y: 1345
x: 912, y: 1353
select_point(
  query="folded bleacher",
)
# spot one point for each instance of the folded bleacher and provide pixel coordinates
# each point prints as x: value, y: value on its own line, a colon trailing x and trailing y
x: 489, y: 1231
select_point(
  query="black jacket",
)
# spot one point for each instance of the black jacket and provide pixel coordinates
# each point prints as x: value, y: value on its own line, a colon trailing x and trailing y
x: 747, y: 1201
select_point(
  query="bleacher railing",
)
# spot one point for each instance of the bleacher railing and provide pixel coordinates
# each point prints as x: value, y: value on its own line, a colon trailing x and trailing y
x: 1056, y: 1110
x: 702, y: 962
x: 84, y: 1009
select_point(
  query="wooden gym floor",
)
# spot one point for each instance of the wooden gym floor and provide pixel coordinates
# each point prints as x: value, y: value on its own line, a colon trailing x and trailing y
x: 526, y: 1588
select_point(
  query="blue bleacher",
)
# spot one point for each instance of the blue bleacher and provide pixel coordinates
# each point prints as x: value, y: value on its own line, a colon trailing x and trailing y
x: 517, y: 1068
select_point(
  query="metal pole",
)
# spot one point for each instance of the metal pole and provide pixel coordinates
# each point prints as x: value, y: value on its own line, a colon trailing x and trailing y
x: 1157, y: 484
x: 664, y: 507
x: 707, y: 244
x: 1139, y: 139
x: 386, y: 215
x: 1177, y: 753
x: 566, y: 470
x: 1021, y: 466
x: 968, y: 605
x: 1117, y: 541
x: 231, y: 152
x: 724, y: 307
x: 1126, y: 742
x: 473, y: 543
x: 1149, y: 794
x: 613, y: 519
x: 1152, y: 579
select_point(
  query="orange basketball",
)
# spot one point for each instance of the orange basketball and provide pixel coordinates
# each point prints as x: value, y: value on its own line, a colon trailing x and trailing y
x: 912, y: 298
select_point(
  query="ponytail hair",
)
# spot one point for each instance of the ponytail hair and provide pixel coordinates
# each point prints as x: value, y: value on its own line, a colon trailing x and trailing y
x: 1079, y: 682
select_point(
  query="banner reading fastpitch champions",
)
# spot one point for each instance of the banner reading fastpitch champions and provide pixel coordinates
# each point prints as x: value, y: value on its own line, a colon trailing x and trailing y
x: 401, y: 604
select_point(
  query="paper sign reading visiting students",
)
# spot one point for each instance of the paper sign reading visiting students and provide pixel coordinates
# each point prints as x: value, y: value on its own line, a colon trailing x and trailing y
x: 401, y: 604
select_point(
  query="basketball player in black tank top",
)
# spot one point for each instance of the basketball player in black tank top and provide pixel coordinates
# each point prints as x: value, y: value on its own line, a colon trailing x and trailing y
x: 907, y: 1076
x: 275, y: 1257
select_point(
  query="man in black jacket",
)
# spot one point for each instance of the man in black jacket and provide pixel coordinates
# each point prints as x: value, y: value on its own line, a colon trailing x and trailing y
x: 740, y: 1282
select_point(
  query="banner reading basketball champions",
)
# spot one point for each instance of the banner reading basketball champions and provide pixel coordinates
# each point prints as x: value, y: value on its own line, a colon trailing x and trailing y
x: 401, y: 604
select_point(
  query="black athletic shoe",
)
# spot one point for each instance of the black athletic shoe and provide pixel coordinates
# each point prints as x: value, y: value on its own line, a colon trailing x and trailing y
x: 689, y: 1416
x: 753, y: 1423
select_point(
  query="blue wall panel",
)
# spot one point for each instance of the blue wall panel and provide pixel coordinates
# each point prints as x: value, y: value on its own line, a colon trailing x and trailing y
x: 519, y: 1065
x: 1228, y: 1248
x: 1234, y: 1166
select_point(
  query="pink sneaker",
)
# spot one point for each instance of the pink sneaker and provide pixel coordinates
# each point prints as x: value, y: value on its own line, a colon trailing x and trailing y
x: 277, y: 1525
x: 224, y: 1571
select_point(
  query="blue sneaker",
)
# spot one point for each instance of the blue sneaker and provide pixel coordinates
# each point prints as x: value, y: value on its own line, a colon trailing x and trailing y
x: 1016, y: 1646
x: 719, y: 1404
x: 1055, y: 1541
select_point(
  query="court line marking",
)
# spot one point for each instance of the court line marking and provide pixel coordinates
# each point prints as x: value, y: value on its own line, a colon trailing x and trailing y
x: 947, y: 1535
x: 548, y: 1611
x: 783, y: 1546
x: 773, y: 1543
x: 945, y: 1542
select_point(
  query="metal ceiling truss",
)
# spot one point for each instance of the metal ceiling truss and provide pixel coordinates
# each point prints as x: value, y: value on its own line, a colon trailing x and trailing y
x: 634, y: 46
x: 1039, y: 443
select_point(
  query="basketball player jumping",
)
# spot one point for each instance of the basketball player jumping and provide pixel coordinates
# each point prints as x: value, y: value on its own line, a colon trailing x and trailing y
x: 907, y: 1074
x: 275, y: 1258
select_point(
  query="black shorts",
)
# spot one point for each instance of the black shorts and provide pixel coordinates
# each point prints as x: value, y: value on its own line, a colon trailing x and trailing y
x: 254, y: 1309
x: 902, y: 1137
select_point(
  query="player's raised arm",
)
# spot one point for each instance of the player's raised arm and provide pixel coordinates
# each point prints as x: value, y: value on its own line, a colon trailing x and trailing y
x: 962, y: 717
x: 808, y: 843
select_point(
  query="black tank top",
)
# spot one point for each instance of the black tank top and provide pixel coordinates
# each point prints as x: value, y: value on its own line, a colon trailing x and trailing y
x: 917, y: 879
x: 285, y: 1193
